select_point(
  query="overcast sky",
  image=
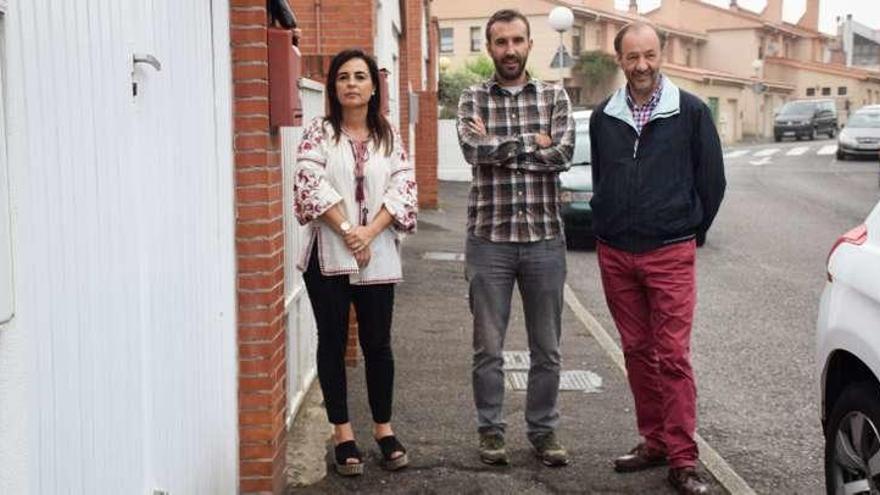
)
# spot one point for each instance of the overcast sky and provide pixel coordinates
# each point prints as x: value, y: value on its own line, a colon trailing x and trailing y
x: 864, y: 11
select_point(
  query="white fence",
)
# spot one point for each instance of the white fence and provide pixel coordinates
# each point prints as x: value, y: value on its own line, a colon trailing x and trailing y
x: 118, y: 370
x: 301, y: 334
x: 451, y: 163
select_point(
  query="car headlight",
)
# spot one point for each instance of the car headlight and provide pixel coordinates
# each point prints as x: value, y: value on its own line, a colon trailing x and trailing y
x: 847, y: 139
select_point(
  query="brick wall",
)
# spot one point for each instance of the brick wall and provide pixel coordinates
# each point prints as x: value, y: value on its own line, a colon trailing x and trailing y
x: 330, y: 26
x: 262, y: 387
x: 426, y: 149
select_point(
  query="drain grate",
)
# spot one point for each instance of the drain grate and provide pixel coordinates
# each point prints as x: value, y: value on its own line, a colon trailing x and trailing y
x: 443, y: 256
x: 569, y: 381
x: 580, y: 380
x: 516, y: 360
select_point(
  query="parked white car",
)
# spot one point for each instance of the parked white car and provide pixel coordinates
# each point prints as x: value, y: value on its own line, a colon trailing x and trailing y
x: 848, y: 347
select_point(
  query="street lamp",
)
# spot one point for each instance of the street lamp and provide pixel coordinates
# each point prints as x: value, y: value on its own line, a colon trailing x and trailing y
x: 561, y: 19
x: 443, y: 63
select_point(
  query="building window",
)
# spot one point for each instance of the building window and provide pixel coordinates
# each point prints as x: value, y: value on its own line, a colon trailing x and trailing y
x: 811, y: 91
x: 446, y: 40
x: 760, y: 48
x: 841, y: 91
x: 476, y: 39
x: 687, y: 57
x: 826, y: 91
x: 577, y: 36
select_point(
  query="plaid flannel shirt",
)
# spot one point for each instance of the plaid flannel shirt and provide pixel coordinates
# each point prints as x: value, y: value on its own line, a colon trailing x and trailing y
x: 514, y: 194
x: 642, y: 114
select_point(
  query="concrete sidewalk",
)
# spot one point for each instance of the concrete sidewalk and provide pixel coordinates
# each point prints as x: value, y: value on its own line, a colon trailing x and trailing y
x: 434, y: 413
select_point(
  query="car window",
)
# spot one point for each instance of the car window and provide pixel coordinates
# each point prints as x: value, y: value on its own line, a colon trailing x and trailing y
x: 797, y: 108
x: 865, y: 119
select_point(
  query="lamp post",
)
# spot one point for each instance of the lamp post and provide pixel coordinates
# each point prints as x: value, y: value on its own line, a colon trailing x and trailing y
x: 561, y: 19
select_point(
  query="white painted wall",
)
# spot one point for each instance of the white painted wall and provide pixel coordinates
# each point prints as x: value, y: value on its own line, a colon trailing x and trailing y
x: 387, y: 51
x: 450, y: 161
x: 302, y: 336
x: 118, y: 371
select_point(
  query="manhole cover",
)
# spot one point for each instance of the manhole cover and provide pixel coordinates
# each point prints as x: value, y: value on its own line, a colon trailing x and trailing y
x: 580, y: 380
x: 443, y: 256
x: 569, y: 381
x: 516, y: 360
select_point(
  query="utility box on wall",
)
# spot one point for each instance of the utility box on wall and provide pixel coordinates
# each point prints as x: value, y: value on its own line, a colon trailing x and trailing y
x: 285, y: 105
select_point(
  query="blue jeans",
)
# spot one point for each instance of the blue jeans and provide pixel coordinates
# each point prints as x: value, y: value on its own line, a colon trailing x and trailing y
x: 538, y: 268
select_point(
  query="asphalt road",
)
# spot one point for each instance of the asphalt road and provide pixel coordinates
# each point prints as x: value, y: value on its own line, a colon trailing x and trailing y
x: 760, y: 276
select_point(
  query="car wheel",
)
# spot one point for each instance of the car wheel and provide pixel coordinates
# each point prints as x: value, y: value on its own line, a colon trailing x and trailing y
x: 841, y: 155
x: 832, y: 131
x: 777, y: 138
x: 852, y: 441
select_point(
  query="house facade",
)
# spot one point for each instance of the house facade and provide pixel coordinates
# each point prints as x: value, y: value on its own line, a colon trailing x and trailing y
x: 772, y: 62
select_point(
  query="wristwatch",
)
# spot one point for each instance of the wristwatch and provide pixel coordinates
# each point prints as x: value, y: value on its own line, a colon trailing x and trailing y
x: 345, y: 227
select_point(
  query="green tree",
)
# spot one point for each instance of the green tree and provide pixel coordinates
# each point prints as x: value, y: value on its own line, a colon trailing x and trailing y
x: 481, y: 66
x: 598, y: 69
x: 453, y: 82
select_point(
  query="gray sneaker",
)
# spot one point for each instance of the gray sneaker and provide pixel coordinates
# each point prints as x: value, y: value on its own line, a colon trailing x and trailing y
x: 492, y: 449
x: 549, y: 450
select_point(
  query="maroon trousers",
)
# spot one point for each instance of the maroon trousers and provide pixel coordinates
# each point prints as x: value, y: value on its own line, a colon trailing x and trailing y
x: 651, y: 297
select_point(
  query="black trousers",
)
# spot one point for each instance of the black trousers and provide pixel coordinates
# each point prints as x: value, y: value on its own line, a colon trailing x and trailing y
x: 331, y: 298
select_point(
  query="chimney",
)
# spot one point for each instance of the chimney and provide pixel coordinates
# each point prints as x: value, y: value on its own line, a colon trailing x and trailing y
x: 773, y: 11
x: 733, y: 5
x: 633, y: 7
x: 810, y: 19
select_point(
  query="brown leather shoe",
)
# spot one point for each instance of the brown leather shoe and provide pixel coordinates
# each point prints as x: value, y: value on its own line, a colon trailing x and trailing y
x: 686, y: 481
x: 639, y: 458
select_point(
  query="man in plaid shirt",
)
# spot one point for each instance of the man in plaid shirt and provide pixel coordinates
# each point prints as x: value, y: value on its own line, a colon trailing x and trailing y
x: 518, y: 134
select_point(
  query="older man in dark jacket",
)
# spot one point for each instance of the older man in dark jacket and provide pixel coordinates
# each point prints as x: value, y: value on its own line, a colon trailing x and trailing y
x: 658, y: 180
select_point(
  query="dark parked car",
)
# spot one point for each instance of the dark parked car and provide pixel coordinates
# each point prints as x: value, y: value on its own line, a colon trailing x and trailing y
x: 861, y: 135
x: 577, y: 186
x: 805, y: 118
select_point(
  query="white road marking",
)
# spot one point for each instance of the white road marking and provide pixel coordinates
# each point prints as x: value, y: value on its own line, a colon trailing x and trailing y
x: 828, y: 149
x: 767, y: 152
x: 737, y: 153
x: 710, y: 458
x: 800, y: 150
x: 761, y: 162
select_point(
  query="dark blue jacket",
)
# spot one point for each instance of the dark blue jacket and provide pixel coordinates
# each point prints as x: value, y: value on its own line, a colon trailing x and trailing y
x: 660, y: 187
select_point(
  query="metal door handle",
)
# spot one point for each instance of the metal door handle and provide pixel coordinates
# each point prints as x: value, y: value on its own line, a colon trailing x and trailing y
x: 146, y: 58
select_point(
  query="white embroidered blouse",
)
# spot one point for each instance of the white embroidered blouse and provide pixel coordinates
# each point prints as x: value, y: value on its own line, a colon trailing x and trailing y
x: 328, y: 172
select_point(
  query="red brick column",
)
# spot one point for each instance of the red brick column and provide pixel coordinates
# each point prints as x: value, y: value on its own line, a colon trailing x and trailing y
x: 426, y: 149
x: 262, y: 379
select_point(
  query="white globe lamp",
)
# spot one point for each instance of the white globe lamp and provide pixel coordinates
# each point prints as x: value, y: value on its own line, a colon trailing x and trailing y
x: 561, y: 19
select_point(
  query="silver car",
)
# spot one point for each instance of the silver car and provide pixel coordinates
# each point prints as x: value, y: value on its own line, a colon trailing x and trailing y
x: 861, y: 136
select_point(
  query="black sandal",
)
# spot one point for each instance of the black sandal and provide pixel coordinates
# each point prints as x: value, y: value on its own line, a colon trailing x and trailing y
x: 389, y: 445
x: 345, y: 451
